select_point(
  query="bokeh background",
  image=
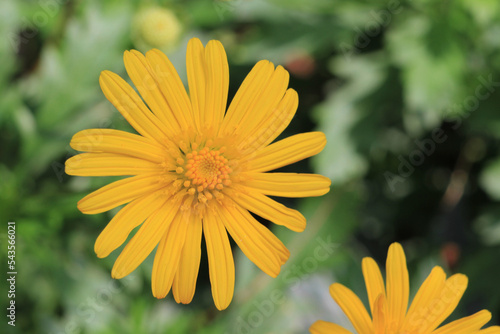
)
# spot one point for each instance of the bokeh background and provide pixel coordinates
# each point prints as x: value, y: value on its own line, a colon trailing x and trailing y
x: 407, y: 92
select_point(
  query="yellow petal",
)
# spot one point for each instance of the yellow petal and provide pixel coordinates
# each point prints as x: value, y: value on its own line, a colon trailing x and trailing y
x: 189, y: 265
x: 352, y: 307
x: 108, y: 164
x: 197, y: 79
x: 287, y: 151
x: 288, y: 184
x: 273, y: 124
x: 324, y: 327
x: 424, y: 300
x: 271, y: 240
x: 172, y: 88
x: 269, y: 209
x: 128, y: 218
x: 249, y: 90
x: 379, y: 311
x: 140, y: 72
x: 373, y: 281
x: 167, y: 256
x: 118, y: 193
x: 490, y: 330
x: 217, y: 83
x: 220, y: 261
x: 130, y: 105
x: 398, y: 285
x: 264, y: 106
x: 466, y: 325
x: 118, y: 142
x: 447, y: 301
x: 241, y: 226
x: 145, y: 240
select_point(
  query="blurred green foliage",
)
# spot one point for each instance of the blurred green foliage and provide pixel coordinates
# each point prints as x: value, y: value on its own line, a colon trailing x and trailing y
x: 407, y: 93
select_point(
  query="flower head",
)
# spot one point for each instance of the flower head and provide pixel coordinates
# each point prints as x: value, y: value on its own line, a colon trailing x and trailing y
x: 196, y: 169
x: 156, y: 27
x: 434, y: 302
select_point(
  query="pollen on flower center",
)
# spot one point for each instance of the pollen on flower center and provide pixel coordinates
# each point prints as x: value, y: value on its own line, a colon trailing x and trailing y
x: 204, y: 173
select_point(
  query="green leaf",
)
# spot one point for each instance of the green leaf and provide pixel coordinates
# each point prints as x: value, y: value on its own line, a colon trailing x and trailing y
x: 432, y: 64
x: 489, y: 179
x: 340, y: 112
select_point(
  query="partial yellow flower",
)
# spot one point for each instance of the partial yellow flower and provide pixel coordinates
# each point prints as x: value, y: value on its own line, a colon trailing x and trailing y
x: 434, y: 302
x: 196, y: 168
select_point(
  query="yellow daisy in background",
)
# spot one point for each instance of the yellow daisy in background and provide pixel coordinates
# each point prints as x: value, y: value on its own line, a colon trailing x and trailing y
x: 196, y: 167
x: 434, y: 302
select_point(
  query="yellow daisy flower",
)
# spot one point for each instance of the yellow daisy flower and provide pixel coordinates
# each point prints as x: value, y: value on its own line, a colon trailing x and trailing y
x: 434, y: 302
x: 196, y: 167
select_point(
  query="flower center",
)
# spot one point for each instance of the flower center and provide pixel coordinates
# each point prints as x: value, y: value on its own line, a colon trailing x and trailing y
x: 204, y: 173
